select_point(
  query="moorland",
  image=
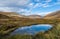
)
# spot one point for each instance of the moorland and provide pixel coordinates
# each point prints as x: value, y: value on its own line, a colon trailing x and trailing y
x: 10, y: 21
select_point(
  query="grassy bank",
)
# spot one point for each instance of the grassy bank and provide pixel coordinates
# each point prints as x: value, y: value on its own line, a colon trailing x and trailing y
x: 8, y: 26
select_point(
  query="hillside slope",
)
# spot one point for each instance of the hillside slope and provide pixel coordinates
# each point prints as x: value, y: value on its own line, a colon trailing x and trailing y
x: 34, y: 16
x: 53, y: 15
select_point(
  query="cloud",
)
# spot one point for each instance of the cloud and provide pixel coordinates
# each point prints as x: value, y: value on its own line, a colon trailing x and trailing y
x: 42, y: 1
x: 36, y: 0
x: 13, y: 2
x: 15, y: 9
x: 5, y: 9
x: 13, y: 5
x: 23, y: 2
x: 30, y: 5
x: 48, y: 0
x: 7, y: 2
x: 10, y: 9
x: 47, y: 3
x: 24, y: 6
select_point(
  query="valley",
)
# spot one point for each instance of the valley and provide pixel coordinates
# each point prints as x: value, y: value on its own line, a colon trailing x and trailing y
x: 9, y: 23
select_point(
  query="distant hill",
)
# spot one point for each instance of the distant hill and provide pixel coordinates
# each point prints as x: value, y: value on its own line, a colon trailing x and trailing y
x: 4, y: 16
x: 53, y: 15
x: 14, y: 15
x: 11, y: 15
x: 34, y: 16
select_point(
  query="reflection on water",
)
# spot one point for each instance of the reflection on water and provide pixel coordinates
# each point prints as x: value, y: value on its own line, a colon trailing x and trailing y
x: 33, y: 29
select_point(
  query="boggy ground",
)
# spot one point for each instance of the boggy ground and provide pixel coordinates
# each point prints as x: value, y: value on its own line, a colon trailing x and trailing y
x: 7, y: 26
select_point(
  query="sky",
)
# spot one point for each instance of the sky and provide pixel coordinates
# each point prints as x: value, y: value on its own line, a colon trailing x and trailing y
x: 29, y: 7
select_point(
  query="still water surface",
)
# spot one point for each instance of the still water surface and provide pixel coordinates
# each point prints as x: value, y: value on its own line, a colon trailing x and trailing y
x: 33, y: 29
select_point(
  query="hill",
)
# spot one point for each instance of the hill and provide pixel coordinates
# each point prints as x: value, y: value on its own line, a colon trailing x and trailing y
x: 53, y: 15
x: 16, y: 20
x: 34, y: 16
x: 12, y: 15
x: 4, y: 17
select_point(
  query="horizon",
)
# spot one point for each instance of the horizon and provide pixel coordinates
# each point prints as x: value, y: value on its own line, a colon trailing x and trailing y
x: 30, y: 7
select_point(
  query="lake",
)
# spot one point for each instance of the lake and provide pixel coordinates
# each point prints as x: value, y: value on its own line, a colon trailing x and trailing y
x: 33, y: 29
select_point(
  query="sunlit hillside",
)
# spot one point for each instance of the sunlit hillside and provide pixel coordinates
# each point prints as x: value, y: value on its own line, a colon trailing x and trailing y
x: 9, y: 23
